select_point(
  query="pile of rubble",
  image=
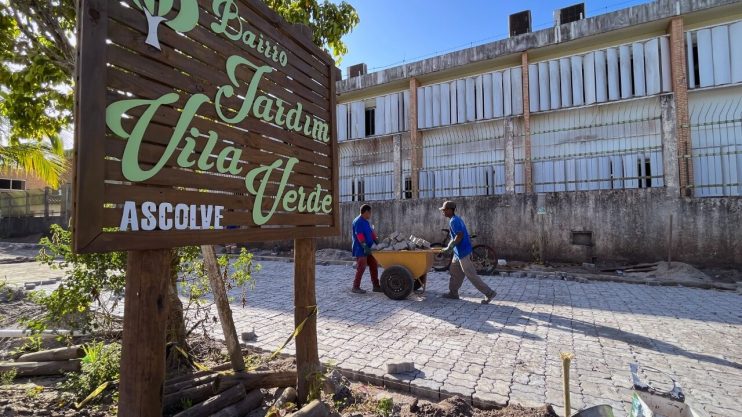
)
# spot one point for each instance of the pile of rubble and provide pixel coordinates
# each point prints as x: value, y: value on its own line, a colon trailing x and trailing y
x: 397, y: 241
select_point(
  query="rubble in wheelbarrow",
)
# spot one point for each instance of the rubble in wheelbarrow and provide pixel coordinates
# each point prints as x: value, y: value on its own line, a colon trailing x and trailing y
x: 397, y: 241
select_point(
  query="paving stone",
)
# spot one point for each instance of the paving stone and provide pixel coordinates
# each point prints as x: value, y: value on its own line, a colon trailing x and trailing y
x: 426, y: 388
x: 489, y: 400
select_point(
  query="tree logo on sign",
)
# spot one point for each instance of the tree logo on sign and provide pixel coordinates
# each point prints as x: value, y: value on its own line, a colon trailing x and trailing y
x: 185, y: 20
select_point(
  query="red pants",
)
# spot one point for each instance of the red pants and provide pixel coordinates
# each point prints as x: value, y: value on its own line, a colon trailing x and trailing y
x: 361, y: 263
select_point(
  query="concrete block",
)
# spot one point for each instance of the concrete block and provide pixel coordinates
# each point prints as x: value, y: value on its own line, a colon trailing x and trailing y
x: 489, y: 400
x: 249, y: 336
x: 29, y: 286
x: 425, y: 388
x: 400, y: 246
x: 399, y: 367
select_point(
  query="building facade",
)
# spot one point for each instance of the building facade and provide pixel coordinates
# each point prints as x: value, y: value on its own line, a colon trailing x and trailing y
x: 640, y: 105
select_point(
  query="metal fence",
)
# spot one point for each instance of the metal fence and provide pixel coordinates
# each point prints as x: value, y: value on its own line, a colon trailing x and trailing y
x: 367, y: 169
x: 716, y: 136
x: 34, y: 203
x: 464, y: 160
x: 612, y: 146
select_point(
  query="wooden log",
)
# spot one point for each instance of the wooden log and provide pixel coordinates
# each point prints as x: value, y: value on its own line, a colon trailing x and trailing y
x: 215, y: 403
x: 194, y: 395
x: 61, y: 354
x: 315, y: 408
x: 41, y: 368
x: 305, y: 303
x: 222, y: 306
x: 181, y: 378
x: 143, y: 343
x: 257, y: 380
x: 188, y: 383
x: 288, y: 395
x: 252, y: 401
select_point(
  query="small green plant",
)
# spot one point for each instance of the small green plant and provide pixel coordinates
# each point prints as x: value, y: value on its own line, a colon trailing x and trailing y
x: 186, y: 403
x: 385, y: 406
x: 30, y: 344
x: 88, y: 277
x: 7, y: 377
x: 241, y: 275
x: 34, y: 391
x: 99, y: 365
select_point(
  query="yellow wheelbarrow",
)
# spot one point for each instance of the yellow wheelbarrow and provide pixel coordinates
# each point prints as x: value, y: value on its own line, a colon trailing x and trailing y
x: 404, y: 271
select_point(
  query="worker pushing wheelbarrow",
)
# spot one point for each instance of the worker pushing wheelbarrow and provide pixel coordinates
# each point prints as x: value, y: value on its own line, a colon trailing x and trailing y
x: 406, y: 270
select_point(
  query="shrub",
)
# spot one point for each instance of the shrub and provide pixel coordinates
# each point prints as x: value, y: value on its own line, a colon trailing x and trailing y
x: 100, y: 364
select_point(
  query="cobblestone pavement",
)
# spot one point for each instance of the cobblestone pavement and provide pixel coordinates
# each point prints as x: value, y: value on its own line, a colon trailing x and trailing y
x: 18, y: 274
x: 510, y: 350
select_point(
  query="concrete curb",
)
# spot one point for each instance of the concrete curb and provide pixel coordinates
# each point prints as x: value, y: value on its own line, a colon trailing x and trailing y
x: 401, y: 383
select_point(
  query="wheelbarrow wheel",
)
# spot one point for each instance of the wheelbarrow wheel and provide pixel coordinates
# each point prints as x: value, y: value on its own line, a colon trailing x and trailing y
x: 397, y: 282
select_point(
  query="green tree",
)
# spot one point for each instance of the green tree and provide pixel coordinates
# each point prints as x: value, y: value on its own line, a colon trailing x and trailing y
x: 36, y: 64
x: 329, y: 21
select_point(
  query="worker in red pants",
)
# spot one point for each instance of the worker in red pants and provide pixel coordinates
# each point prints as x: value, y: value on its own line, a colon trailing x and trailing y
x: 363, y: 238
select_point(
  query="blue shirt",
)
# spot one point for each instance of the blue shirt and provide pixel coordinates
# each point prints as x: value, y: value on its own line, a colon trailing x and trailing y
x: 361, y: 226
x: 457, y: 225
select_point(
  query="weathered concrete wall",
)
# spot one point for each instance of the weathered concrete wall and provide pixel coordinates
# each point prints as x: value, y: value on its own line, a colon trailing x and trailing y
x: 24, y: 226
x: 627, y: 225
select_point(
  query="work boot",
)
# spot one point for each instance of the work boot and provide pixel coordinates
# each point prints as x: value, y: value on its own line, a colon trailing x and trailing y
x: 488, y: 298
x: 450, y: 296
x: 358, y: 290
x: 377, y: 288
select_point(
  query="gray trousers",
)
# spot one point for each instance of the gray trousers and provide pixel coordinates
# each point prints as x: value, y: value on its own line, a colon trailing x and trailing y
x: 464, y: 267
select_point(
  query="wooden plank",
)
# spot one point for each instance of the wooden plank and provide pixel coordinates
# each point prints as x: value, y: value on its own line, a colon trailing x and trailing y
x: 150, y: 154
x: 177, y: 80
x: 143, y: 344
x: 335, y: 151
x: 271, y: 32
x: 305, y: 305
x: 302, y: 148
x: 112, y: 218
x: 89, y: 100
x: 108, y: 241
x: 209, y: 73
x: 206, y: 47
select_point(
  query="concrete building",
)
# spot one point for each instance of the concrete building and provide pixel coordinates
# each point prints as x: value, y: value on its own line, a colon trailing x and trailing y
x: 575, y: 142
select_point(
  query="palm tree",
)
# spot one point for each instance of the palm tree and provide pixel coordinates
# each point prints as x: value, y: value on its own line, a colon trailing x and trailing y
x: 45, y: 160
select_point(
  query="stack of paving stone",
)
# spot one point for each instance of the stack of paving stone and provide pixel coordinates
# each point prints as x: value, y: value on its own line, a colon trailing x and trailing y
x: 397, y: 241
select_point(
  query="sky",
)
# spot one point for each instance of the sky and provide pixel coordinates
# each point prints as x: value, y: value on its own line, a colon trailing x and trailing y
x: 392, y: 32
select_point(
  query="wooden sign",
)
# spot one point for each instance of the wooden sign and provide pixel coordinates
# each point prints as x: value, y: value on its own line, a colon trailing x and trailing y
x: 200, y: 122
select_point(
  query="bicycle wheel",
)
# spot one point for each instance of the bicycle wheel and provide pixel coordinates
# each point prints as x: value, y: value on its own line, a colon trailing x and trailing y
x: 484, y: 259
x: 441, y: 262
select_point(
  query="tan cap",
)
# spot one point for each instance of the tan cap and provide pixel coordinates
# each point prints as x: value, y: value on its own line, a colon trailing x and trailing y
x: 448, y: 205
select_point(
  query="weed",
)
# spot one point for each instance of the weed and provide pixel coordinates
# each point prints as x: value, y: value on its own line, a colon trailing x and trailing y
x: 385, y: 407
x: 186, y: 403
x: 7, y: 377
x: 99, y: 365
x: 31, y: 344
x: 34, y: 391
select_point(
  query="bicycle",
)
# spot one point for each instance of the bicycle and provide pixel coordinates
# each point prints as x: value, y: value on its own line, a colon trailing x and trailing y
x: 483, y: 256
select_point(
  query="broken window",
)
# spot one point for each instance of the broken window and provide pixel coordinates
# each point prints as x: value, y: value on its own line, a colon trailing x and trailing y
x: 370, y: 122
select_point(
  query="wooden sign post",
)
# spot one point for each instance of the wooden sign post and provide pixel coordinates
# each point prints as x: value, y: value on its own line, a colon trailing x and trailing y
x: 198, y: 123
